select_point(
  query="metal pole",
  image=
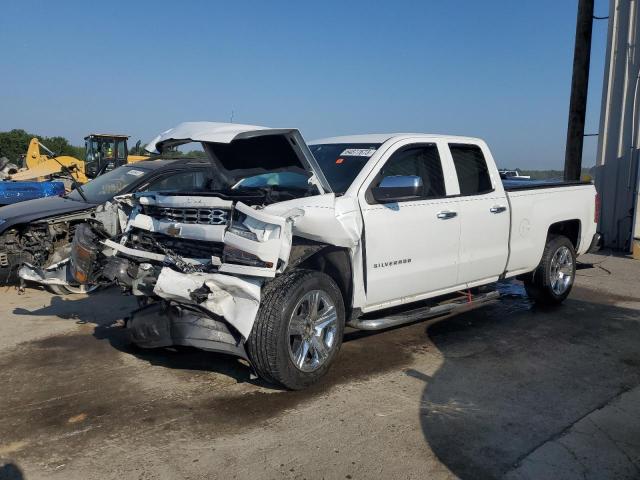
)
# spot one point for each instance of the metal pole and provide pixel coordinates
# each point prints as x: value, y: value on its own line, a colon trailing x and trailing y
x: 579, y: 88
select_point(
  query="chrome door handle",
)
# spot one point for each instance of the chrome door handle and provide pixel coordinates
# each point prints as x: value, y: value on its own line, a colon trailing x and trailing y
x: 498, y: 209
x: 445, y: 214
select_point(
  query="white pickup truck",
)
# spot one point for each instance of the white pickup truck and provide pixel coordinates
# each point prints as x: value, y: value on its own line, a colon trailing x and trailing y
x: 295, y: 242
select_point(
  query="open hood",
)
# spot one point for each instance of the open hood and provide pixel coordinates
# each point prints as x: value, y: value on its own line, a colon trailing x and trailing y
x: 232, y: 146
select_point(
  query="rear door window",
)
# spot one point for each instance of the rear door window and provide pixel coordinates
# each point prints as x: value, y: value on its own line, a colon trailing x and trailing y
x: 471, y: 168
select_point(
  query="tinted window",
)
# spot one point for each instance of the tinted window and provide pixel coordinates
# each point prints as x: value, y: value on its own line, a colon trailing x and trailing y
x: 422, y: 161
x: 109, y: 184
x: 292, y: 180
x: 179, y: 182
x: 341, y: 162
x: 121, y: 150
x: 471, y: 167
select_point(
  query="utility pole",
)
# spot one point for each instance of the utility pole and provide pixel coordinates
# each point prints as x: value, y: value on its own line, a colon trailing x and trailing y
x: 579, y: 88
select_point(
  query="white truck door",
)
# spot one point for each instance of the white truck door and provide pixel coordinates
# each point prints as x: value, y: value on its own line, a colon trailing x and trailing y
x: 484, y: 214
x: 411, y: 246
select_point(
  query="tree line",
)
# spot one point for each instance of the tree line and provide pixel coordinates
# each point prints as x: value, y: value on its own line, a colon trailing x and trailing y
x: 14, y: 143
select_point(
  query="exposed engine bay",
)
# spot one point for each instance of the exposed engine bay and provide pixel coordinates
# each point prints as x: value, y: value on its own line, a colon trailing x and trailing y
x: 39, y: 244
x: 40, y: 251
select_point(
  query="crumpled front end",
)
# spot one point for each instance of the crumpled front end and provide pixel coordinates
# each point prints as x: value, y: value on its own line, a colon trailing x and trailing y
x: 204, y: 252
x: 208, y: 255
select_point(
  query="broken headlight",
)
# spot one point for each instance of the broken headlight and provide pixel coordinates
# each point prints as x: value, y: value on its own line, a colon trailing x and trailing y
x: 252, y: 228
x: 84, y: 250
x: 239, y: 257
x: 243, y: 231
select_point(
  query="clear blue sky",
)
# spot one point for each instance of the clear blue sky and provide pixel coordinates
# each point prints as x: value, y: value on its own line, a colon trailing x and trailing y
x: 495, y: 69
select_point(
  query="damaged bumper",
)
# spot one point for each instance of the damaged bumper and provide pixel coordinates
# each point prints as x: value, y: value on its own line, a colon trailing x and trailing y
x: 167, y: 324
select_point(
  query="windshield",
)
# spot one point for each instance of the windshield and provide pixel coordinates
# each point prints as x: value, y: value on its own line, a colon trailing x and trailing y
x: 292, y: 180
x: 106, y: 186
x: 341, y: 162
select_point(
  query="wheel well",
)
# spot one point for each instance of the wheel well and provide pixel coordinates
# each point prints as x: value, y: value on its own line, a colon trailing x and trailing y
x: 335, y: 262
x: 569, y: 229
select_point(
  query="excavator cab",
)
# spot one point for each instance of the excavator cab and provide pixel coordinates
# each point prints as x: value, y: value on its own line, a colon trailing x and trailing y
x: 104, y: 153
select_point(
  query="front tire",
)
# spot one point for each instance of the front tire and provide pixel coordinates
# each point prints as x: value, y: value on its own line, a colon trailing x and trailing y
x: 551, y: 282
x: 70, y: 289
x: 298, y: 329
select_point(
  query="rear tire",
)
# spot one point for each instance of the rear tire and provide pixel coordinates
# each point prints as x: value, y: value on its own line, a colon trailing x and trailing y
x: 298, y: 329
x: 551, y: 282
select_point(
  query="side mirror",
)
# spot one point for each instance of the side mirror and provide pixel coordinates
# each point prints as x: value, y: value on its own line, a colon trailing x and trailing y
x: 398, y: 188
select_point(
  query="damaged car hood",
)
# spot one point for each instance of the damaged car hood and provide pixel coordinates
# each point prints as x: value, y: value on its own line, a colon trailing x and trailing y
x: 37, y: 209
x: 219, y: 139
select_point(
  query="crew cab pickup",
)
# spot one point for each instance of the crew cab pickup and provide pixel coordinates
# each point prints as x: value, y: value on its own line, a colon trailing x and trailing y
x: 294, y: 242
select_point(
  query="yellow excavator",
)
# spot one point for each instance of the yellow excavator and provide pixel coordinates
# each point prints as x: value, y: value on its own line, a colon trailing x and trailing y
x: 103, y: 152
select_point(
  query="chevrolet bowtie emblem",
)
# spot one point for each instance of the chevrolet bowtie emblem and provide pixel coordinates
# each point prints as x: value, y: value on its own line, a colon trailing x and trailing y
x: 174, y: 230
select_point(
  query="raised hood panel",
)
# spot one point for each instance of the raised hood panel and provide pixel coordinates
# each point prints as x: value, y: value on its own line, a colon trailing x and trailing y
x: 283, y: 147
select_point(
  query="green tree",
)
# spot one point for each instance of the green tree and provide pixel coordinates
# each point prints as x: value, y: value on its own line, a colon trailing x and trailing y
x: 14, y: 143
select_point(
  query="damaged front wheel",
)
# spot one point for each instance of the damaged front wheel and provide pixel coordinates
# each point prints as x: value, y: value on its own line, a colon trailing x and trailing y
x: 71, y: 289
x: 298, y: 330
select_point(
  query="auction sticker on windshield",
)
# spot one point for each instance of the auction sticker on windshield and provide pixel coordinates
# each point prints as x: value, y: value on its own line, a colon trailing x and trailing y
x: 135, y: 173
x: 358, y: 152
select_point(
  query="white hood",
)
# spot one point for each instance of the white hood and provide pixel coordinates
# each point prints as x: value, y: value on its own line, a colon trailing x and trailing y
x: 226, y: 133
x: 216, y: 132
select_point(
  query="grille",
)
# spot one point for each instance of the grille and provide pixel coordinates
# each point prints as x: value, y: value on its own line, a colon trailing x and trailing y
x: 202, y: 216
x: 183, y: 247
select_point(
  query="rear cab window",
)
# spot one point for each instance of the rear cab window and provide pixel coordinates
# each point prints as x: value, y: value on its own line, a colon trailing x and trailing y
x: 471, y: 169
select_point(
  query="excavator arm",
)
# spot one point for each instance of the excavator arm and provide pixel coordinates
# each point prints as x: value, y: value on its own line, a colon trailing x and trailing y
x: 41, y: 165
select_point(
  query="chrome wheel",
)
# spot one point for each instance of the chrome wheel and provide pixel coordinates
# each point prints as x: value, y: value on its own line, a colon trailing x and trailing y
x: 561, y: 272
x: 70, y: 289
x: 312, y: 330
x: 81, y: 288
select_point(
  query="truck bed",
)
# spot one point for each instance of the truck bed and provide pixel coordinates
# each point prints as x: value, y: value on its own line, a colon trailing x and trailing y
x: 537, y: 205
x: 516, y: 185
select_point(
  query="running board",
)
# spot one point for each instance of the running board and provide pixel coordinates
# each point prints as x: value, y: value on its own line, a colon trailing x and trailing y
x: 423, y: 313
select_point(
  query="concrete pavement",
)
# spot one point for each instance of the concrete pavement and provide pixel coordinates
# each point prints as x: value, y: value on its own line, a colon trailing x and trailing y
x: 507, y: 390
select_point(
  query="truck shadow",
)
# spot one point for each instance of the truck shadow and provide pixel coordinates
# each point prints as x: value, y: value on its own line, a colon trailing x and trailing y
x: 10, y: 471
x: 102, y: 307
x: 511, y: 382
x: 107, y: 308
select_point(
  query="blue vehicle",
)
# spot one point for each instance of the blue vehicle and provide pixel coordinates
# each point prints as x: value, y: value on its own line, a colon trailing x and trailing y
x: 14, y: 192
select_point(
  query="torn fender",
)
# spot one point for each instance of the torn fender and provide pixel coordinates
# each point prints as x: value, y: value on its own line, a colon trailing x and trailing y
x: 327, y: 218
x: 236, y: 299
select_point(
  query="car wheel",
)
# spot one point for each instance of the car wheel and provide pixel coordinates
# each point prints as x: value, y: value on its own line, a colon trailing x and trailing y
x: 298, y: 329
x: 71, y: 289
x: 552, y: 281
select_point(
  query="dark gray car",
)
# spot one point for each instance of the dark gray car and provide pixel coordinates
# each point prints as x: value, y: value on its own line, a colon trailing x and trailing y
x: 38, y: 232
